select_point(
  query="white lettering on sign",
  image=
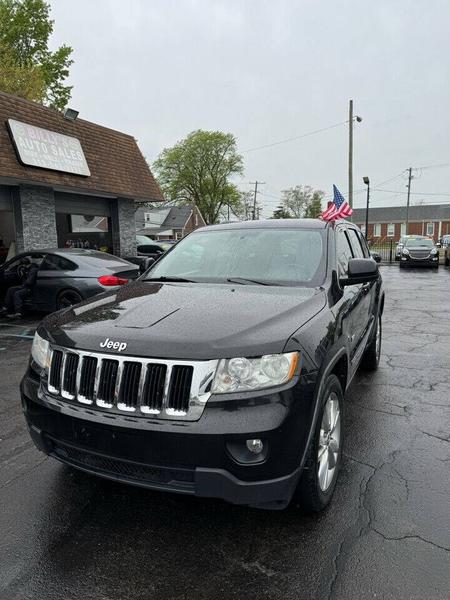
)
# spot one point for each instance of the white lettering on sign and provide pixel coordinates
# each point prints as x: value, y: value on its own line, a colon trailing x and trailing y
x: 37, y: 147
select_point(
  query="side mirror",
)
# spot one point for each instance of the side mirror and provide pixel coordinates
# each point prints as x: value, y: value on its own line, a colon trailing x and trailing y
x: 376, y: 256
x: 146, y: 263
x: 360, y: 270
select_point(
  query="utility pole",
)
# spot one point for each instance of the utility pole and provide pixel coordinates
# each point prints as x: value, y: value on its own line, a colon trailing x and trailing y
x: 350, y: 153
x: 256, y: 183
x: 351, y: 120
x: 407, y: 201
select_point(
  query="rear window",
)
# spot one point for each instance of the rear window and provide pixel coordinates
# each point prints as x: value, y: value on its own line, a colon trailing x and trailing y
x: 91, y: 258
x: 53, y: 262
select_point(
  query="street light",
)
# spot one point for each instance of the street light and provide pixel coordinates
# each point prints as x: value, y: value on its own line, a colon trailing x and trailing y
x: 367, y: 182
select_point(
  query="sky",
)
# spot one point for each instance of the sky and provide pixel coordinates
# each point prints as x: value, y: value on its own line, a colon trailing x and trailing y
x: 271, y: 70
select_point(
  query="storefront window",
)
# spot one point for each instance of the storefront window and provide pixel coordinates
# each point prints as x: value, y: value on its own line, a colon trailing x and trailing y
x: 88, y: 224
x: 84, y: 231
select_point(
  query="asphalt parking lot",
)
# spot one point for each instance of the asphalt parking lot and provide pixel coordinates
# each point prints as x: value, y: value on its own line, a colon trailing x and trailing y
x: 64, y: 534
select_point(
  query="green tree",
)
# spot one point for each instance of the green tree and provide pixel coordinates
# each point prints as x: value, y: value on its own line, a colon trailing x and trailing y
x: 281, y: 213
x: 302, y: 201
x: 27, y: 67
x: 198, y: 170
x: 314, y: 208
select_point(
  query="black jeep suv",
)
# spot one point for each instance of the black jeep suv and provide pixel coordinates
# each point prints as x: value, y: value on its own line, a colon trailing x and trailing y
x: 221, y: 371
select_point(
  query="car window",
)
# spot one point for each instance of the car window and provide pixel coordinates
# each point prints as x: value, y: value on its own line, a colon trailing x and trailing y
x: 33, y: 258
x: 150, y: 248
x: 363, y: 242
x: 53, y: 262
x: 343, y: 252
x: 355, y: 242
x: 275, y: 255
x: 143, y: 239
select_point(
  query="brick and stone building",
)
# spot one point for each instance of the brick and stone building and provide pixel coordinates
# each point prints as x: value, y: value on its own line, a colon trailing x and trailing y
x: 67, y: 182
x: 389, y: 222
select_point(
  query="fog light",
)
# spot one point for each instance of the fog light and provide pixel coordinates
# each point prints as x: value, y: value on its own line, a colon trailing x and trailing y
x: 255, y: 446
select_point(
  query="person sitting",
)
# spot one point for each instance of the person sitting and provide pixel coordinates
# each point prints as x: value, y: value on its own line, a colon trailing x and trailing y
x: 16, y: 294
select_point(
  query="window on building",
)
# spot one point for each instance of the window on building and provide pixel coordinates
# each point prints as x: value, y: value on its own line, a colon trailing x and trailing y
x: 363, y: 229
x: 377, y: 230
x: 391, y: 229
x: 430, y: 229
x: 88, y: 224
x: 402, y: 229
x: 343, y: 252
x: 196, y: 219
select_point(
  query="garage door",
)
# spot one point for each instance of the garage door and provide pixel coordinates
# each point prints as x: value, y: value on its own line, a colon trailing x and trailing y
x: 5, y: 198
x: 74, y: 204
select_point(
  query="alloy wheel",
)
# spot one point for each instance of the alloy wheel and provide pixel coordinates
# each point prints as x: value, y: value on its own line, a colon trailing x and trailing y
x: 378, y: 339
x: 329, y: 442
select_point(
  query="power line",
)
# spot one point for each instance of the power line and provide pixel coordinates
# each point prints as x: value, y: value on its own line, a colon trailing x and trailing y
x: 297, y: 137
x: 435, y: 166
x: 415, y: 193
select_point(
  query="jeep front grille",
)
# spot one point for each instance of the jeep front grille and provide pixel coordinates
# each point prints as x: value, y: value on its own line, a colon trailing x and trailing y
x: 164, y: 389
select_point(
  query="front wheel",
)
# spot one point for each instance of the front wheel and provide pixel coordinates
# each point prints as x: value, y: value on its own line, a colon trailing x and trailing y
x: 68, y: 298
x: 319, y: 477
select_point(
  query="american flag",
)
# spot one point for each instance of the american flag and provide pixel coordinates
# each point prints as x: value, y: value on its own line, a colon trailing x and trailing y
x: 338, y: 209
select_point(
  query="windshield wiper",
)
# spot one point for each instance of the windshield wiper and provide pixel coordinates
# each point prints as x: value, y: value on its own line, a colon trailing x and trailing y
x: 244, y: 280
x: 170, y: 278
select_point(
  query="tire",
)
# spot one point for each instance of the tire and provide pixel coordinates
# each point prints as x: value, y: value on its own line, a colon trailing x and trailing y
x: 68, y: 298
x: 317, y: 483
x: 401, y: 265
x: 446, y: 261
x: 371, y: 357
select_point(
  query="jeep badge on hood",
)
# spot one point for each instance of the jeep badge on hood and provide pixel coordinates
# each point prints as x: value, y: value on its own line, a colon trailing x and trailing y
x: 119, y: 346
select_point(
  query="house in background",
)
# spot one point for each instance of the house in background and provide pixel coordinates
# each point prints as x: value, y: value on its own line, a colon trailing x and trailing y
x: 169, y: 223
x: 389, y: 222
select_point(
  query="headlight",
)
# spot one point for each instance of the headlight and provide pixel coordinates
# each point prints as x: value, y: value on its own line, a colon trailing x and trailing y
x: 434, y: 251
x: 40, y: 351
x: 248, y: 374
x: 405, y: 251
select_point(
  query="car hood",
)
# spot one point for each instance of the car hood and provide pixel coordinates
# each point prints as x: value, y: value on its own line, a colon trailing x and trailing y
x: 187, y: 321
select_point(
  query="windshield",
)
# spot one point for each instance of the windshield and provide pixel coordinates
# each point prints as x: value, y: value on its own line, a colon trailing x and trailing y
x: 143, y: 240
x: 419, y: 242
x: 271, y: 256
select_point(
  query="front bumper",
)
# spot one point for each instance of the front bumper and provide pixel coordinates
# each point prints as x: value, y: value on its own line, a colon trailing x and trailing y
x: 407, y: 261
x: 205, y: 458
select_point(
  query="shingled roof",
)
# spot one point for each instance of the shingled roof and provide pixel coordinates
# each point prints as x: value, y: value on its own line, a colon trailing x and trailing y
x: 392, y: 214
x: 115, y: 161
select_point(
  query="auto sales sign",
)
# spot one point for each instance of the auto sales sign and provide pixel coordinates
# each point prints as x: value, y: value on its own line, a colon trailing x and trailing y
x: 37, y: 147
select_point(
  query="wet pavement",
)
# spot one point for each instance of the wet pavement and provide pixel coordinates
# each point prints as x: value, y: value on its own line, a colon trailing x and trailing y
x: 64, y: 534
